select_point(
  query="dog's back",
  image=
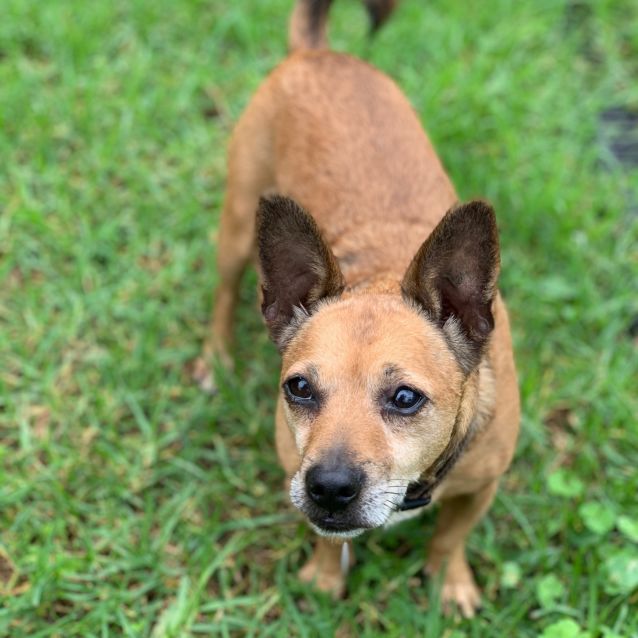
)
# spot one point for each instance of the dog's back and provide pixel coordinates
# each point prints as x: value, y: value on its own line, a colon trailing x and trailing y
x: 342, y: 135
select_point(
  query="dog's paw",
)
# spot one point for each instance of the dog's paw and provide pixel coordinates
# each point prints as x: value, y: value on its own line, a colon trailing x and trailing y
x: 459, y: 592
x: 460, y: 597
x: 332, y: 583
x: 201, y: 373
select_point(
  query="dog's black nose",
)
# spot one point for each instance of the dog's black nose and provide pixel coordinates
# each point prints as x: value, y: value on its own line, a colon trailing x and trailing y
x: 333, y: 488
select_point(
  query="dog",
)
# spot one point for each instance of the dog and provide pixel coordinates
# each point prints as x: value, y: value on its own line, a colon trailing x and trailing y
x: 398, y: 384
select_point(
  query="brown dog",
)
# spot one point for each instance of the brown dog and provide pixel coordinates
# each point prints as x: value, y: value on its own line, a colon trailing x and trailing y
x: 398, y: 385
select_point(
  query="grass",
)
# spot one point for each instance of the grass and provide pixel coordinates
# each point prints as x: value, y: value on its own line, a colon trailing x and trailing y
x: 133, y: 505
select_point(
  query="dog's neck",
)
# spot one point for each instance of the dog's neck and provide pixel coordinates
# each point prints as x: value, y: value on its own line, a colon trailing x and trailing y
x: 380, y: 251
x: 419, y: 493
x: 373, y: 284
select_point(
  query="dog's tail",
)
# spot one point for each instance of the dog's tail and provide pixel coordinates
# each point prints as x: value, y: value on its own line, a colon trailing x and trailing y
x: 308, y: 23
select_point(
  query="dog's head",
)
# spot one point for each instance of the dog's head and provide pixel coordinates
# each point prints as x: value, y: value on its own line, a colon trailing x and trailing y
x: 378, y: 388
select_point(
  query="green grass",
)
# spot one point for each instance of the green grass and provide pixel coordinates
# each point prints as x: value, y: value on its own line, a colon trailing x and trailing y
x: 133, y: 505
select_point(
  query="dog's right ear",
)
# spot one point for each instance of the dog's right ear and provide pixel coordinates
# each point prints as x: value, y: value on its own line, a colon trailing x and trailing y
x: 297, y: 267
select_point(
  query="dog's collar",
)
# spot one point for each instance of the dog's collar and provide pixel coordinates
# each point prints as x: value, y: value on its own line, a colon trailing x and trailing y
x: 419, y: 493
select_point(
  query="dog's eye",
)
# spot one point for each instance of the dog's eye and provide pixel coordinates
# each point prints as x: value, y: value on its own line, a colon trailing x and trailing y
x: 298, y: 389
x: 406, y: 400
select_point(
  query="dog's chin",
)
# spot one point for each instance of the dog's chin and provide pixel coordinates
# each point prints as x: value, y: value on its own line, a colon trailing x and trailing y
x: 339, y: 526
x: 335, y: 532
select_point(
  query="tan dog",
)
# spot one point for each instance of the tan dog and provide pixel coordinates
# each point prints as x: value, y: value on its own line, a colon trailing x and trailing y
x: 398, y: 384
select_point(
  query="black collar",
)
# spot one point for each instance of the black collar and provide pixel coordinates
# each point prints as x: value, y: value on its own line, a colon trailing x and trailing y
x: 419, y: 494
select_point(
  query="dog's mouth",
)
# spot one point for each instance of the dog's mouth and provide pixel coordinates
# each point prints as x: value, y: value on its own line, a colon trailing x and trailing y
x: 372, y: 509
x: 331, y: 526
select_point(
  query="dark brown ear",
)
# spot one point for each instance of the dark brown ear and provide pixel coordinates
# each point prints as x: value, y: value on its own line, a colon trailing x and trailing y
x: 298, y: 269
x: 453, y: 277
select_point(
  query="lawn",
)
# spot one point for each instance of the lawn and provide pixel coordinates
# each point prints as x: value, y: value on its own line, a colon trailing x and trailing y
x: 131, y: 504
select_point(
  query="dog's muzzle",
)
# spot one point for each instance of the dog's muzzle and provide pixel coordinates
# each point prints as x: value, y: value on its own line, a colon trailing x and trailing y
x: 341, y: 499
x: 333, y: 492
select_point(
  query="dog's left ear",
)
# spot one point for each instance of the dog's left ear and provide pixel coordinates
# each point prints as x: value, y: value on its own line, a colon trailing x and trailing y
x: 453, y: 276
x: 298, y: 269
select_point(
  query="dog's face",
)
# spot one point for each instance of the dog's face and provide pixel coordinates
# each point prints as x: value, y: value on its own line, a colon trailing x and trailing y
x: 376, y: 387
x: 371, y: 394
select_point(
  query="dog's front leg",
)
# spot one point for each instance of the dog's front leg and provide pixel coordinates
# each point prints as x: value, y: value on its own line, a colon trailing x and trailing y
x: 446, y: 555
x: 324, y: 568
